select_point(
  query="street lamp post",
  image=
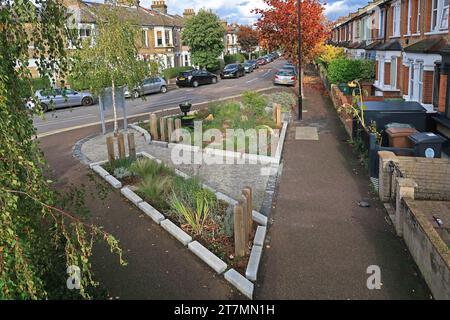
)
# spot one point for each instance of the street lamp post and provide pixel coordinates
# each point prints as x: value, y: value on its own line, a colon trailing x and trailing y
x: 300, y: 100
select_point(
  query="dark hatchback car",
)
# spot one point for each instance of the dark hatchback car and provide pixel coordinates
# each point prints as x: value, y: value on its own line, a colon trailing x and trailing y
x: 234, y: 70
x: 195, y: 78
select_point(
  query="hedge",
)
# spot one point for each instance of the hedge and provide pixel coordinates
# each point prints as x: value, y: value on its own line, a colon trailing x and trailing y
x: 233, y: 58
x: 171, y: 73
x: 346, y: 70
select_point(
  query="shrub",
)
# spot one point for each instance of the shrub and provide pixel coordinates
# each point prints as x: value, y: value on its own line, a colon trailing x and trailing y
x: 195, y: 216
x: 285, y: 99
x: 234, y: 58
x: 122, y: 172
x: 329, y: 53
x: 344, y: 70
x: 254, y: 102
x: 171, y: 73
x: 155, y: 188
x: 368, y: 70
x: 144, y: 167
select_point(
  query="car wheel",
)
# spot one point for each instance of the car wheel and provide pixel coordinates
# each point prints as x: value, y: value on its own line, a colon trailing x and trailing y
x: 136, y: 94
x: 44, y: 107
x: 87, y: 101
x: 195, y: 84
x: 163, y: 89
x: 214, y: 80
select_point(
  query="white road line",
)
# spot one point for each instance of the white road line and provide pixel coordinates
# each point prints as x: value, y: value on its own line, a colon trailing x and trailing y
x: 250, y: 81
x: 265, y: 74
x: 50, y: 133
x: 44, y: 124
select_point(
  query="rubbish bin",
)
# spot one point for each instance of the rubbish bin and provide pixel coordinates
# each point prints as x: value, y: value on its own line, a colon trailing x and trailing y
x: 428, y: 145
x: 398, y: 138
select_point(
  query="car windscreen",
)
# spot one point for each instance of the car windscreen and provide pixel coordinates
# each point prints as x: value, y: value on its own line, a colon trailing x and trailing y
x: 231, y: 66
x: 185, y: 74
x: 285, y: 73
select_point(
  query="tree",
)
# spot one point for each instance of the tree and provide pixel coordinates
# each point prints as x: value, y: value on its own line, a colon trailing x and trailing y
x: 204, y: 34
x: 39, y: 237
x: 248, y: 39
x: 328, y: 53
x: 113, y: 60
x: 278, y: 27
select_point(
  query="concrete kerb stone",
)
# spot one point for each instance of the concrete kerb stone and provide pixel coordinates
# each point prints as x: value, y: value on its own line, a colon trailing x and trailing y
x: 245, y: 286
x: 259, y: 218
x: 145, y: 133
x: 279, y: 151
x: 99, y: 163
x: 176, y: 232
x: 260, y: 236
x: 251, y: 272
x: 208, y: 257
x: 161, y: 144
x: 100, y: 171
x: 113, y: 181
x: 154, y: 214
x: 130, y: 195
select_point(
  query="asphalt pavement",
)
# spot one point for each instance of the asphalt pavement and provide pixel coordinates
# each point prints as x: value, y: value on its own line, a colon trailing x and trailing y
x: 76, y: 117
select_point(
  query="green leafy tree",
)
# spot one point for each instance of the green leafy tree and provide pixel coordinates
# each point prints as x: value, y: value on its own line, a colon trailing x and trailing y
x: 113, y: 60
x: 204, y: 34
x: 39, y: 237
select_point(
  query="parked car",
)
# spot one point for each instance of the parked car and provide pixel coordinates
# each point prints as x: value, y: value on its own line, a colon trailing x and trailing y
x: 289, y: 66
x: 61, y: 98
x: 275, y: 55
x: 261, y: 61
x: 234, y: 70
x: 248, y: 67
x: 285, y: 77
x: 254, y: 63
x: 269, y: 58
x: 195, y: 78
x: 150, y: 85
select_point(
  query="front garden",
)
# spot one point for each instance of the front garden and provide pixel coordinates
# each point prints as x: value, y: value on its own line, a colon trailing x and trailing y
x: 184, y: 201
x: 221, y: 123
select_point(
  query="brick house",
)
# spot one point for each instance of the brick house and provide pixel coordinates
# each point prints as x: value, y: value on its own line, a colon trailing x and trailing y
x: 160, y: 31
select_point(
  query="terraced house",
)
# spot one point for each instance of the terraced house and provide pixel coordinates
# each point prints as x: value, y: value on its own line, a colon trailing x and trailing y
x: 410, y: 42
x: 160, y: 31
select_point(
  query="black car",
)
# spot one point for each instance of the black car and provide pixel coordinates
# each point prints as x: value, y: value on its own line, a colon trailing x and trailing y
x: 234, y: 70
x: 254, y: 63
x: 195, y: 78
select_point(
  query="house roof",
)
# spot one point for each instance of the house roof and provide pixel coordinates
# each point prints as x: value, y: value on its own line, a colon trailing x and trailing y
x: 373, y: 45
x: 138, y: 14
x: 432, y: 44
x: 391, y: 45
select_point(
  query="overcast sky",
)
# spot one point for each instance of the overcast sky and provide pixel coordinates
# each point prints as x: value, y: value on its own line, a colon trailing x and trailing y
x: 240, y: 10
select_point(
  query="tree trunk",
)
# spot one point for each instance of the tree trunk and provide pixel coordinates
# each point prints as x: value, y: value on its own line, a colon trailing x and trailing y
x: 116, y: 126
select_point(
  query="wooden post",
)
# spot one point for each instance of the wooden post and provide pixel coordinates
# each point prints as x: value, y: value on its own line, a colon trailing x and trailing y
x: 243, y: 202
x: 239, y: 232
x: 177, y: 129
x: 274, y: 112
x: 278, y: 116
x: 248, y: 193
x: 110, y: 148
x: 170, y: 129
x: 154, y: 126
x: 121, y: 143
x: 131, y: 145
x: 162, y: 128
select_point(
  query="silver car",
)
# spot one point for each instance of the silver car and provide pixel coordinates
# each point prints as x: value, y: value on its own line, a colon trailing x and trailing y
x: 285, y: 77
x: 150, y: 85
x: 61, y: 98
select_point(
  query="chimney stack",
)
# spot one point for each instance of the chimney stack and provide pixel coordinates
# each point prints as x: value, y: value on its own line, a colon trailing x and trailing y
x: 188, y: 13
x: 159, y: 5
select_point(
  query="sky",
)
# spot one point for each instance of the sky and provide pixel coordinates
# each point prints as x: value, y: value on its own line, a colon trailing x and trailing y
x: 240, y: 10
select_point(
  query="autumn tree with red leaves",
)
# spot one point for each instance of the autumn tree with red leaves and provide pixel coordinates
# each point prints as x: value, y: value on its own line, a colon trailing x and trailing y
x: 248, y: 39
x: 278, y: 27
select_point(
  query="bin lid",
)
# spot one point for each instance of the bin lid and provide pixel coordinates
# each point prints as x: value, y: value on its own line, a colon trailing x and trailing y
x: 426, y: 137
x: 393, y: 106
x: 403, y: 132
x: 397, y: 125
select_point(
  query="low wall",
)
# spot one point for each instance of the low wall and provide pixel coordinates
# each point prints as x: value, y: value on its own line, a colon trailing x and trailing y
x: 429, y: 251
x: 432, y: 176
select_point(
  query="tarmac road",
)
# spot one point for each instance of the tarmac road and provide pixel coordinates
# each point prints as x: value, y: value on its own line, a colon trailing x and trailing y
x: 63, y: 119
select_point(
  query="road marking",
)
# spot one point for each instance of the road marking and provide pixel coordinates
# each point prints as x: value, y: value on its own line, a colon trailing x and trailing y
x: 50, y: 133
x: 49, y: 123
x: 250, y: 81
x: 265, y: 74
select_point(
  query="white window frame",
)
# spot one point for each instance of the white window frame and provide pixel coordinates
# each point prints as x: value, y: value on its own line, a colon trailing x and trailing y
x: 393, y: 74
x: 396, y: 16
x: 381, y: 72
x: 145, y: 36
x: 381, y: 17
x: 418, y: 16
x: 408, y: 28
x: 439, y: 15
x: 411, y: 80
x: 416, y: 74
